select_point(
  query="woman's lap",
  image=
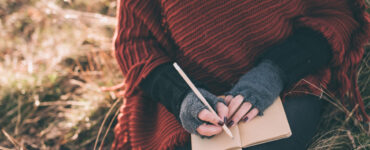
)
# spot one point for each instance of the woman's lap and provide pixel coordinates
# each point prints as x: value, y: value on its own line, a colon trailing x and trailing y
x: 303, y: 113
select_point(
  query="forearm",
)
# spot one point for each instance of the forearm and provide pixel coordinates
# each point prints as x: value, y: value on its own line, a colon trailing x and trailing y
x: 166, y: 86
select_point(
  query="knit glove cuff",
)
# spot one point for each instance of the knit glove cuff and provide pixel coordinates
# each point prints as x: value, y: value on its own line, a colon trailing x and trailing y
x: 260, y: 86
x: 190, y: 108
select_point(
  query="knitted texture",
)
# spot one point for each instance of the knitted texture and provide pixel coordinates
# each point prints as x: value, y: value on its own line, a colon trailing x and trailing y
x: 260, y: 86
x: 216, y: 42
x: 191, y: 106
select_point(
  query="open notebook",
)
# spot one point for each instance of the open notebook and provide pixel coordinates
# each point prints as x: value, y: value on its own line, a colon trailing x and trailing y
x: 273, y: 125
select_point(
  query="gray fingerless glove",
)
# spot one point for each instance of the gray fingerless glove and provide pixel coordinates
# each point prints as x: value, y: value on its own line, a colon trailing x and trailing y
x: 260, y: 86
x: 190, y: 108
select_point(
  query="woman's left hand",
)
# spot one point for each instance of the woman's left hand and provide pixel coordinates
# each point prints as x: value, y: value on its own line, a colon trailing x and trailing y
x: 254, y: 92
x: 244, y: 113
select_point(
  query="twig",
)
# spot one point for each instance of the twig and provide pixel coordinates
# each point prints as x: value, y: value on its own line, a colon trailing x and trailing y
x: 84, y: 17
x: 363, y: 146
x: 109, y: 126
x: 350, y: 114
x: 11, y: 139
x: 105, y: 119
x: 4, y: 148
x: 59, y: 103
x: 19, y: 116
x: 341, y: 107
x: 351, y: 138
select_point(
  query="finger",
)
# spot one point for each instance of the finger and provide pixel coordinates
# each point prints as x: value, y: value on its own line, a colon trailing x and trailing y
x: 234, y: 105
x: 207, y: 116
x: 222, y: 111
x: 209, y: 130
x: 249, y: 116
x: 240, y: 113
x: 228, y: 99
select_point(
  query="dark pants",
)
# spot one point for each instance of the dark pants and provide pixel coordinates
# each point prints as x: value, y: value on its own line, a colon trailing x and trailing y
x: 303, y: 113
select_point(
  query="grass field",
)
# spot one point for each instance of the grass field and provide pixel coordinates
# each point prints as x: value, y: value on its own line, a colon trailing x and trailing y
x: 56, y: 54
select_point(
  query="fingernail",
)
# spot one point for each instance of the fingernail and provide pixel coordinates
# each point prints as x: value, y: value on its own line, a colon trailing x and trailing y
x: 230, y: 123
x: 221, y: 123
x: 245, y: 119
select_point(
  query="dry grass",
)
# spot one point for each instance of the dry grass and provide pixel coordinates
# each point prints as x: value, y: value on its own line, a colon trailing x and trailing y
x: 340, y: 131
x: 52, y: 62
x: 54, y: 56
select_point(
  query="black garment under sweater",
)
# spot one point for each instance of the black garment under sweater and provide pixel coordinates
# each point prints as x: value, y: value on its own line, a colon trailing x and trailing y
x: 303, y: 53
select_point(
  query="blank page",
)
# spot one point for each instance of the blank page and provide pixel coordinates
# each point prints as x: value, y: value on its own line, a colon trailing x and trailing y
x: 273, y: 125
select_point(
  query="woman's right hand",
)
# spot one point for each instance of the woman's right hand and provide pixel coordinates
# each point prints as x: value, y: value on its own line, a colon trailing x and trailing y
x: 197, y: 119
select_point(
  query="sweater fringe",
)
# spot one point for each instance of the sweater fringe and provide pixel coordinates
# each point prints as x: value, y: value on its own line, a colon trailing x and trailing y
x: 360, y: 37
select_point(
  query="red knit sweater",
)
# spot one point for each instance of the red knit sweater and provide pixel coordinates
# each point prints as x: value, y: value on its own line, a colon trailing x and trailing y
x: 216, y: 42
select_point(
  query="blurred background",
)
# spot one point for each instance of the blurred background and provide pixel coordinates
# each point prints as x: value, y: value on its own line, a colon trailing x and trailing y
x: 55, y: 55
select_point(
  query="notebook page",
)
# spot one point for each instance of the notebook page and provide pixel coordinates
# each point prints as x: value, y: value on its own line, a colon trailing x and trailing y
x: 218, y: 142
x: 271, y: 126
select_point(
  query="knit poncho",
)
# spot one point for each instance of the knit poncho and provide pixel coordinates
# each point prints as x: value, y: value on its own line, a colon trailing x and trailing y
x: 216, y: 42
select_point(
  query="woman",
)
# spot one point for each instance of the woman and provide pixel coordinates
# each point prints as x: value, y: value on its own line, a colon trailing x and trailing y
x: 251, y: 51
